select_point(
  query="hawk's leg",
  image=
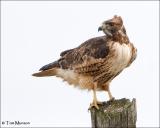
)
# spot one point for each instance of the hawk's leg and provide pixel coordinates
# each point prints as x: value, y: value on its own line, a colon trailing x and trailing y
x: 95, y: 101
x: 111, y: 98
x: 106, y: 88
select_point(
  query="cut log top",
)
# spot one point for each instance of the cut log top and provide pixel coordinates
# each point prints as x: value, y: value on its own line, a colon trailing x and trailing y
x: 117, y: 113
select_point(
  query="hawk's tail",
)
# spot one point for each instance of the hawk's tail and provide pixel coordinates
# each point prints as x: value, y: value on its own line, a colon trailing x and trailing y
x: 50, y: 72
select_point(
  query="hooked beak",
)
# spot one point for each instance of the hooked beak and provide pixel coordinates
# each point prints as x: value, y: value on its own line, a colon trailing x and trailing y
x: 105, y: 30
x: 100, y: 28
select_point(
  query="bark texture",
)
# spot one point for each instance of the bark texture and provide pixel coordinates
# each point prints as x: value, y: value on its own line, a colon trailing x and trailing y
x: 120, y: 113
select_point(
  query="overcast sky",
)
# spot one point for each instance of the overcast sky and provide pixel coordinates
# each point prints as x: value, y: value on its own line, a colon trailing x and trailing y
x: 35, y: 32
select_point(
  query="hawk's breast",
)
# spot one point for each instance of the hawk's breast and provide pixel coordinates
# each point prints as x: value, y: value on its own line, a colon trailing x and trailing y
x: 122, y: 56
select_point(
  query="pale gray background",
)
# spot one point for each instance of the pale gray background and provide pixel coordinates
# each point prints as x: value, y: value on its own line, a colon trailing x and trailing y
x: 35, y: 32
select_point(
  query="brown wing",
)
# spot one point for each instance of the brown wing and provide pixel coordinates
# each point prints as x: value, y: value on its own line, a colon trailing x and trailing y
x: 88, y: 57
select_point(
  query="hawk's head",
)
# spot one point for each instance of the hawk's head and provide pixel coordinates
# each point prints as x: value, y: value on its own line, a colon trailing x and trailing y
x: 112, y: 26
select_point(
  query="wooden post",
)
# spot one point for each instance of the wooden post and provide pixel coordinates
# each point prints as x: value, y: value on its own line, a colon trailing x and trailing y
x: 118, y: 113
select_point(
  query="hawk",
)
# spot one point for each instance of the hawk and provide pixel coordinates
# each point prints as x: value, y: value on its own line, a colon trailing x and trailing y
x: 96, y: 62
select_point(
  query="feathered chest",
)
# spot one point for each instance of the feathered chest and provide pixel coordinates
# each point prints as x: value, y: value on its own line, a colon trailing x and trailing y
x: 121, y: 56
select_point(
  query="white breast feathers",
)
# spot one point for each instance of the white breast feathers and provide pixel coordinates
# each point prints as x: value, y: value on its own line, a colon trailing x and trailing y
x: 123, y: 53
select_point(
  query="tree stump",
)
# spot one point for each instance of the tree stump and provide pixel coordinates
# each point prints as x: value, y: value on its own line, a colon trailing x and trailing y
x: 118, y: 113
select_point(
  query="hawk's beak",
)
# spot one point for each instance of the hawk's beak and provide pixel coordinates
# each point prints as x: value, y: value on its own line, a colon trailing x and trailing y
x: 100, y: 28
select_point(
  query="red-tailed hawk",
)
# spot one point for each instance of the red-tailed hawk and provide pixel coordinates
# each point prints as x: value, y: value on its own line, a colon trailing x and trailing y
x: 97, y: 61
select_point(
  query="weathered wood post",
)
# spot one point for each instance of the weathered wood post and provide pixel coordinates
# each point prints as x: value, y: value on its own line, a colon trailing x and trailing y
x: 118, y: 113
